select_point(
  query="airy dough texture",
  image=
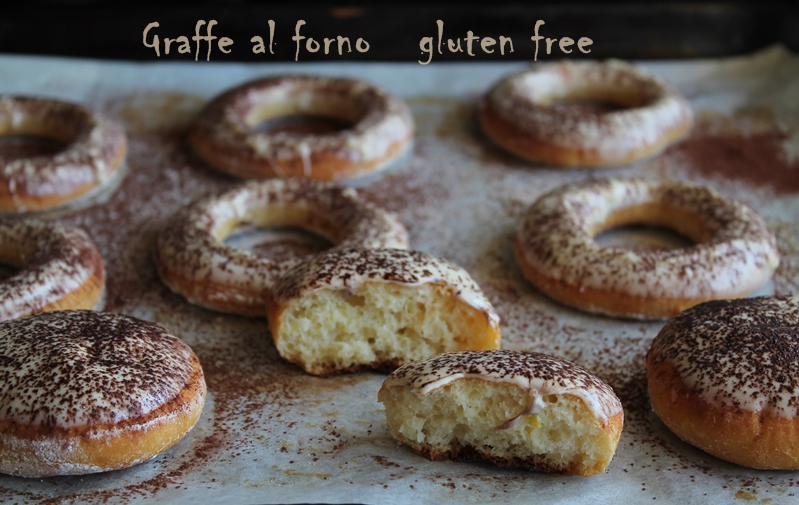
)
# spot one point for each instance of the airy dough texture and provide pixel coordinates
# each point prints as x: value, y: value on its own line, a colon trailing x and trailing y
x: 377, y: 325
x: 461, y: 421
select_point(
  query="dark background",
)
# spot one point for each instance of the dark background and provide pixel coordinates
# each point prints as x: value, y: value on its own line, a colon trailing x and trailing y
x: 666, y: 29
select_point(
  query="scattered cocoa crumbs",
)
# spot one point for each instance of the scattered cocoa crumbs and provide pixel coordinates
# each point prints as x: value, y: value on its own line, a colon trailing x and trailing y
x: 758, y: 158
x: 460, y: 199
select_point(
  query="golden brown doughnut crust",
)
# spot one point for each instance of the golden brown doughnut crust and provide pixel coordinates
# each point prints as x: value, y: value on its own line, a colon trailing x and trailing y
x: 193, y: 260
x: 734, y: 255
x: 722, y: 377
x: 96, y: 147
x: 60, y: 268
x: 538, y: 376
x: 518, y: 115
x: 224, y: 133
x: 133, y: 390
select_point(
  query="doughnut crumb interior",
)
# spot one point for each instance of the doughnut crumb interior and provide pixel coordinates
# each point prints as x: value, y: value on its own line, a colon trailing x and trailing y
x: 509, y: 408
x: 377, y: 308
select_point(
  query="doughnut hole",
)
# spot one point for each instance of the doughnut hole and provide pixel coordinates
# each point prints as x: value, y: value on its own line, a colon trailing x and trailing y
x: 14, y: 147
x: 649, y: 227
x: 7, y: 271
x: 278, y: 243
x: 13, y: 258
x: 642, y: 237
x: 310, y: 110
x: 41, y: 131
x: 586, y: 107
x: 303, y: 124
x: 280, y: 233
x: 379, y: 325
x: 593, y: 95
x: 462, y: 420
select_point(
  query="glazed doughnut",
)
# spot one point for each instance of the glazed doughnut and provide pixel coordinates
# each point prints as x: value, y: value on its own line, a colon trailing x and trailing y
x: 520, y: 113
x: 352, y: 309
x: 724, y: 376
x: 59, y: 268
x: 511, y: 408
x: 226, y: 137
x: 84, y: 392
x: 194, y: 262
x: 734, y: 254
x: 95, y: 151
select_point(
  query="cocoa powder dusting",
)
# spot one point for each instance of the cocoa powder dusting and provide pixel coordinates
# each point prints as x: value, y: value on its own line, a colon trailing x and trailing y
x: 758, y: 158
x: 269, y: 427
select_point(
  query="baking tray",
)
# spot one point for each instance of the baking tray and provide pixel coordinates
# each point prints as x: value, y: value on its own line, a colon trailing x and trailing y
x: 270, y: 433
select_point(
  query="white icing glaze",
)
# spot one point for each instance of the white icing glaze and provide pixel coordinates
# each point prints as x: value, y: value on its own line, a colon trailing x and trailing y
x: 556, y: 238
x: 94, y: 152
x: 344, y: 269
x: 191, y: 244
x: 538, y: 374
x: 738, y: 353
x: 56, y: 260
x: 69, y: 369
x: 379, y: 121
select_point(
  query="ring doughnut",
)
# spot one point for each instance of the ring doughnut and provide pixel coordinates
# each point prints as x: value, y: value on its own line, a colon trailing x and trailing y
x: 226, y: 137
x: 734, y: 253
x: 60, y: 268
x: 724, y: 377
x: 84, y: 392
x: 520, y: 114
x: 193, y: 261
x: 95, y: 150
x: 511, y: 408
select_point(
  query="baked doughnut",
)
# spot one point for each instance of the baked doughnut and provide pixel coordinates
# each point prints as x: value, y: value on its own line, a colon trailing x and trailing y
x: 521, y: 114
x: 352, y: 309
x: 511, y: 408
x: 59, y: 268
x: 226, y: 137
x: 734, y: 253
x: 724, y: 376
x: 84, y: 392
x: 95, y: 150
x: 193, y: 261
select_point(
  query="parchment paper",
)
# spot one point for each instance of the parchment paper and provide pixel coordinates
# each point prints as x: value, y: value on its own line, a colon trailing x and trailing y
x: 271, y: 434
